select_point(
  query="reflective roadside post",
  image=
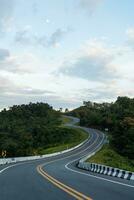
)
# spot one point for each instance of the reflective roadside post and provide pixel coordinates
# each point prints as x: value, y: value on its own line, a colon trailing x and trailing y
x: 4, y: 153
x: 106, y: 140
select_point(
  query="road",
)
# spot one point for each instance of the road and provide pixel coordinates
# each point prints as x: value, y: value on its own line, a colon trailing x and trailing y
x: 58, y: 178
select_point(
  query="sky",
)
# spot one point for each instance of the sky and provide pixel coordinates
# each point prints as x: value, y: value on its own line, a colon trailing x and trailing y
x: 65, y: 52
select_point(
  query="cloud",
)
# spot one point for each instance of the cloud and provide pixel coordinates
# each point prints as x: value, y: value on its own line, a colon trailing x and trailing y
x: 98, y: 94
x: 11, y: 94
x: 25, y: 37
x: 56, y: 37
x: 31, y: 91
x: 89, y: 5
x: 17, y: 63
x: 5, y: 85
x: 10, y: 65
x: 130, y: 37
x: 130, y: 33
x: 6, y: 13
x: 94, y: 63
x: 101, y: 93
x: 8, y: 87
x: 105, y: 92
x: 6, y: 61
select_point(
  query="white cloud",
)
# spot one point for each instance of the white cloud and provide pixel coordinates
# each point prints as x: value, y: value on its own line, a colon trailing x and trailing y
x: 107, y: 92
x: 130, y: 33
x: 23, y: 63
x: 56, y: 37
x: 8, y: 87
x: 11, y: 93
x: 25, y: 37
x: 130, y: 37
x: 107, y: 69
x: 97, y: 71
x: 94, y: 62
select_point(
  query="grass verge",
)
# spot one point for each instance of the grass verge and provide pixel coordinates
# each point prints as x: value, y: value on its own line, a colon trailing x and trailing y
x: 65, y: 120
x: 107, y: 156
x: 76, y: 137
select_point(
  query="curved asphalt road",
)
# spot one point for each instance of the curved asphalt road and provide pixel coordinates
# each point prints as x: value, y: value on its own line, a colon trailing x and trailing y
x: 58, y: 178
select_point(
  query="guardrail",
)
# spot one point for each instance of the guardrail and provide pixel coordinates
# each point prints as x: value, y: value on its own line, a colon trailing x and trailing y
x: 103, y: 169
x: 4, y: 161
x: 106, y: 170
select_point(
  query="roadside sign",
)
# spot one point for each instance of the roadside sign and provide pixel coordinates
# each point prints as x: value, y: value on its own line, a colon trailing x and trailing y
x: 4, y: 153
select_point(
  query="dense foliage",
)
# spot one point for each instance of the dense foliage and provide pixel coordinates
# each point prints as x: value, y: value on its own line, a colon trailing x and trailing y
x: 118, y: 117
x: 26, y: 129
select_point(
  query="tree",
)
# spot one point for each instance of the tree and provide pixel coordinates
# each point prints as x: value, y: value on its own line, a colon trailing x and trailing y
x: 60, y: 109
x: 66, y: 110
x: 118, y: 117
x: 25, y: 128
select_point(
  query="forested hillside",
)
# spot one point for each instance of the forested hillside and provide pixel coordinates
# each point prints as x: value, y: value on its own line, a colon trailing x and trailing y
x: 26, y: 128
x: 117, y: 117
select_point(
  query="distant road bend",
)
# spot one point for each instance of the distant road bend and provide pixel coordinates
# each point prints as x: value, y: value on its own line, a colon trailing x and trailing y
x: 58, y: 178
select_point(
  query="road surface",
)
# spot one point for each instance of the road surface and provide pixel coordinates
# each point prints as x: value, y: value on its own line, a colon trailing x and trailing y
x: 58, y: 178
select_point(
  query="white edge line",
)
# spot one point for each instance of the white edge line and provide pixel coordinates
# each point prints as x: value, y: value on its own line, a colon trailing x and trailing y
x: 32, y: 161
x: 53, y: 154
x: 82, y: 173
x: 4, y: 169
x: 97, y: 177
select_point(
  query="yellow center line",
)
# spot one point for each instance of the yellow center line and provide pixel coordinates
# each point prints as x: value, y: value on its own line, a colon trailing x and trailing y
x: 62, y: 186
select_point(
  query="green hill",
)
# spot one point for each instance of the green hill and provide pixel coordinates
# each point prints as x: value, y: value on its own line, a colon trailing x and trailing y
x: 117, y: 118
x: 35, y: 129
